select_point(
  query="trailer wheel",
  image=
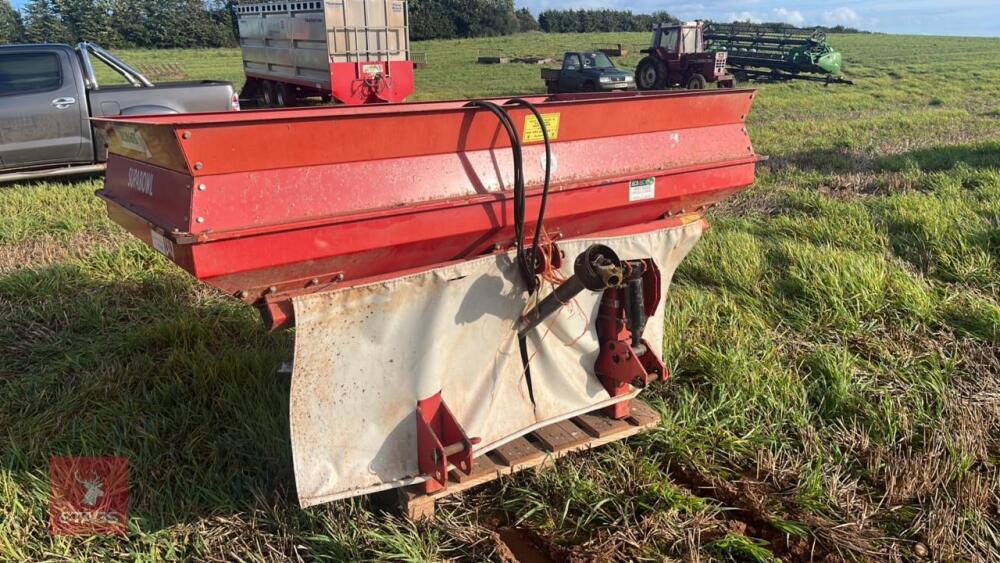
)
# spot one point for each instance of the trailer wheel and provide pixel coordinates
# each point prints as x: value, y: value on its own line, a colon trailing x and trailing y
x: 251, y: 90
x: 651, y: 74
x: 284, y: 95
x: 697, y: 82
x: 267, y: 95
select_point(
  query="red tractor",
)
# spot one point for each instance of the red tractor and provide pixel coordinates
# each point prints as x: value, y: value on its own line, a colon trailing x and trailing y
x: 677, y: 58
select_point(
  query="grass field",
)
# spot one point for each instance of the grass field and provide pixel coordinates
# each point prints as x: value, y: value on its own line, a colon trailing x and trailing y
x: 834, y: 341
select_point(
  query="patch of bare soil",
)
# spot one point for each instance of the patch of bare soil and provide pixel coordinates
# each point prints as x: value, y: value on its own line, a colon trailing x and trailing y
x: 750, y: 515
x: 516, y: 545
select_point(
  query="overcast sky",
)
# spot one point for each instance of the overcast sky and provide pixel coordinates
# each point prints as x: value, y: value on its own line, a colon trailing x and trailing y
x: 933, y: 17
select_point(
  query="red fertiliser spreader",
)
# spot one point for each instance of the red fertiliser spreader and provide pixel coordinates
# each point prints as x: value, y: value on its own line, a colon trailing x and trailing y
x: 460, y: 273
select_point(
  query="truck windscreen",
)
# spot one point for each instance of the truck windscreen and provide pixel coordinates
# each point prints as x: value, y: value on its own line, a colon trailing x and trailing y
x: 596, y: 60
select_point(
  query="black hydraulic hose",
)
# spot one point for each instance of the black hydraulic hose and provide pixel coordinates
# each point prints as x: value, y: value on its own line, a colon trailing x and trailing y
x: 520, y: 207
x: 520, y: 198
x: 548, y: 176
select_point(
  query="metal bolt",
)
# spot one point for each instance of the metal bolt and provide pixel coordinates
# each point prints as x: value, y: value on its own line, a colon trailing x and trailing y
x: 200, y: 219
x: 340, y: 277
x: 202, y: 187
x: 243, y: 294
x: 198, y: 166
x: 314, y: 281
x: 186, y: 135
x: 272, y: 289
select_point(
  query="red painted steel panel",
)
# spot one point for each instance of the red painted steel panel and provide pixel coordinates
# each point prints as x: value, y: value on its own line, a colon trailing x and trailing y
x: 297, y: 137
x: 238, y: 201
x: 354, y: 84
x: 399, y: 187
x: 162, y: 196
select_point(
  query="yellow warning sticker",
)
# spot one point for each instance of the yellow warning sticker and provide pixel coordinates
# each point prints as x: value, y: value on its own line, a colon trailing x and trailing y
x: 533, y: 129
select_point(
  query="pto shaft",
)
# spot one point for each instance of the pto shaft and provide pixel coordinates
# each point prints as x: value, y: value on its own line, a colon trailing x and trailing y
x: 597, y: 269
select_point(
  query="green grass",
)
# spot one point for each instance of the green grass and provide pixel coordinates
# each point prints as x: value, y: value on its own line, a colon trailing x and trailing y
x: 834, y: 342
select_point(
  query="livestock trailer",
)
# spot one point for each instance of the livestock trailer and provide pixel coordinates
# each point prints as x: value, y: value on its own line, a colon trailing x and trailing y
x: 352, y: 51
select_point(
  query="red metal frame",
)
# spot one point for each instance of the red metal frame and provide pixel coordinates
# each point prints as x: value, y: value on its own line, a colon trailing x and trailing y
x: 266, y: 205
x: 441, y: 442
x: 619, y: 365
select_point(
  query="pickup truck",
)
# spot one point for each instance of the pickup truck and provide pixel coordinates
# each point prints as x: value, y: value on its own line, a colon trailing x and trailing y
x: 48, y: 93
x: 587, y: 71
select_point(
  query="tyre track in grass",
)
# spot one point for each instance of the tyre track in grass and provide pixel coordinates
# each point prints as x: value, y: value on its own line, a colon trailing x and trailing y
x: 745, y: 515
x: 748, y: 515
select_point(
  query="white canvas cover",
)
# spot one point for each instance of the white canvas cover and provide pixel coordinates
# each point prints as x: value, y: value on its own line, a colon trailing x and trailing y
x: 365, y: 355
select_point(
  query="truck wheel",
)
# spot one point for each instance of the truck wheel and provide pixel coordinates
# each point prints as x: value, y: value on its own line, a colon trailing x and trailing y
x: 651, y: 74
x: 267, y: 95
x: 697, y: 82
x: 726, y: 84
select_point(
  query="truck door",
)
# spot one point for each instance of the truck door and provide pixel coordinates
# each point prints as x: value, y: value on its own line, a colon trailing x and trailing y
x: 42, y: 110
x: 569, y: 77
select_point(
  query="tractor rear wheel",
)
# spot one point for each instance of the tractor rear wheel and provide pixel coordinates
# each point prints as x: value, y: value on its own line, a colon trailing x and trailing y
x: 651, y: 74
x: 697, y: 82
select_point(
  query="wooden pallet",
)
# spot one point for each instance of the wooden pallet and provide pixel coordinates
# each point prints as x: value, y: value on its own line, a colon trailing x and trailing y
x: 535, y: 450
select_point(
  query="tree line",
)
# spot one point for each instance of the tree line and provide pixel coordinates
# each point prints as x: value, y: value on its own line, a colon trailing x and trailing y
x: 121, y: 23
x: 448, y: 19
x: 583, y: 21
x: 211, y: 23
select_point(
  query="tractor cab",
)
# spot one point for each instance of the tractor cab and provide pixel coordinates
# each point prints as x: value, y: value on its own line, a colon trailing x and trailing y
x: 677, y: 40
x: 677, y: 58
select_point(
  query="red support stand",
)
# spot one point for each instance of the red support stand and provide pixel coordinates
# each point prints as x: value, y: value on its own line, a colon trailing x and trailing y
x: 441, y: 442
x: 621, y: 364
